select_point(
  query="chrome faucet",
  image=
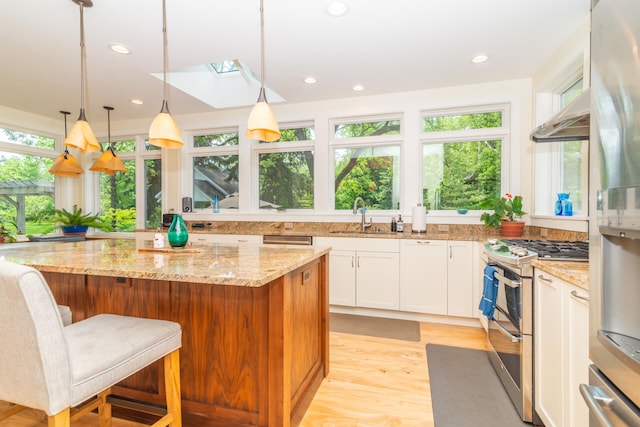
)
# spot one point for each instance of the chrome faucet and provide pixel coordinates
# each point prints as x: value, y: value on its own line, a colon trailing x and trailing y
x: 363, y: 221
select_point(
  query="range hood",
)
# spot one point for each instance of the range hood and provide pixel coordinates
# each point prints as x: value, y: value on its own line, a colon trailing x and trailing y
x: 570, y: 124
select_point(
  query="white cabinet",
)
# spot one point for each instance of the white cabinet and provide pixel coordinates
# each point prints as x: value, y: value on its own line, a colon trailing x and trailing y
x: 363, y: 272
x: 436, y: 277
x: 423, y: 276
x: 562, y: 350
x: 460, y: 278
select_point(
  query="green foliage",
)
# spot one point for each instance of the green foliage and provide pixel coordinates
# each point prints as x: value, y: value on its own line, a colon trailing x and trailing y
x: 6, y: 235
x: 507, y: 208
x: 77, y: 217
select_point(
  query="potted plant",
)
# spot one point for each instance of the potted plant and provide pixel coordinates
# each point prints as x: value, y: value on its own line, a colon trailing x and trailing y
x: 507, y: 210
x: 6, y: 235
x: 77, y: 223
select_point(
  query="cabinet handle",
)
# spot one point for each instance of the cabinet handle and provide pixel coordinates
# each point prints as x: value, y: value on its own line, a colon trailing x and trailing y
x: 358, y: 262
x: 423, y: 242
x: 352, y: 262
x: 450, y: 252
x: 544, y: 279
x: 242, y: 240
x: 575, y: 295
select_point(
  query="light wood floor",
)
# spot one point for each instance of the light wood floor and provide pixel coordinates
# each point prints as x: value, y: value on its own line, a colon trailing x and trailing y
x: 373, y: 382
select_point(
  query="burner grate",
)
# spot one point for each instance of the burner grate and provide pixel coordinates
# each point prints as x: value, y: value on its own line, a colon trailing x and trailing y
x: 555, y: 249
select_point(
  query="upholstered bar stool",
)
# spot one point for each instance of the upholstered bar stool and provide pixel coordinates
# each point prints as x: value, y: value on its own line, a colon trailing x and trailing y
x: 53, y: 368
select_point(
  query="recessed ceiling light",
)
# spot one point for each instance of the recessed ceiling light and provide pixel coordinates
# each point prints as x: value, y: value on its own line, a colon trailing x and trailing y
x: 337, y: 8
x: 310, y: 80
x: 120, y: 48
x: 358, y: 88
x: 479, y: 59
x: 136, y: 101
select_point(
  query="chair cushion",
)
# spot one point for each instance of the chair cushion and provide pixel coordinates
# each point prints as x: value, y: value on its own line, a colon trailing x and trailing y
x: 65, y: 314
x: 107, y: 348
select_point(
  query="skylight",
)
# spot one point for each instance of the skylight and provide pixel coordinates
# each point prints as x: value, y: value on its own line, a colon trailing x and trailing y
x: 225, y: 66
x: 227, y: 83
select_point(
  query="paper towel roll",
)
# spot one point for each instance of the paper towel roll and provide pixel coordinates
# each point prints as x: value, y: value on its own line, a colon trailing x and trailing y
x: 419, y: 219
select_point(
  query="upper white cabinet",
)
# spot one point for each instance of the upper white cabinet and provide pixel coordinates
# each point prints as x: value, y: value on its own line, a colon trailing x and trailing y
x: 363, y: 272
x: 562, y: 349
x: 436, y: 277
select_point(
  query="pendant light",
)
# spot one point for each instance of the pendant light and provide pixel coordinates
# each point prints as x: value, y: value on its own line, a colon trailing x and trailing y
x: 108, y: 162
x: 262, y: 123
x: 66, y: 165
x: 164, y: 131
x: 81, y: 136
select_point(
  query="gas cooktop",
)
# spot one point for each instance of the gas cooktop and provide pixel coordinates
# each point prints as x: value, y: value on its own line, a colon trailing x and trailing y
x: 558, y: 250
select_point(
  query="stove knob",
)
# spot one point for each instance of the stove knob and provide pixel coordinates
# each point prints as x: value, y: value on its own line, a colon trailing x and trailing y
x: 522, y: 252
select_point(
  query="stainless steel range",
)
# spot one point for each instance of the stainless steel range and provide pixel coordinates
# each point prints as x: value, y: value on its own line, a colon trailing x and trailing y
x: 510, y: 328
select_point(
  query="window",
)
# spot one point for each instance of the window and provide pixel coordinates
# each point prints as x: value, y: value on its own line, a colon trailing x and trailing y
x: 285, y: 169
x: 462, y: 157
x: 366, y: 161
x: 215, y: 165
x: 561, y: 167
x: 27, y: 192
x: 118, y: 199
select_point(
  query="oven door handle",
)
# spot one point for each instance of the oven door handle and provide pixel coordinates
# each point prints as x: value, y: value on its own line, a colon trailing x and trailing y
x: 505, y: 331
x: 511, y: 283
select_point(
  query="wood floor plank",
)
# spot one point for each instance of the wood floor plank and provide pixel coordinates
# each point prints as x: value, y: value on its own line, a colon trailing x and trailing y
x: 373, y: 382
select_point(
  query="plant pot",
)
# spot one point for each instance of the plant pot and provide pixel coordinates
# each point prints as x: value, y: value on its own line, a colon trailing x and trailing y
x: 511, y: 229
x: 74, y: 230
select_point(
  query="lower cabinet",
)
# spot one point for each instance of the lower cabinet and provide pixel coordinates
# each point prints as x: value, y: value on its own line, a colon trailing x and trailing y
x: 561, y: 350
x: 363, y: 272
x: 437, y: 277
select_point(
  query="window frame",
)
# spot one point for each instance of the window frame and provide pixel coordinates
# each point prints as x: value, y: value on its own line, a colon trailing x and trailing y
x: 394, y: 140
x: 501, y: 133
x: 226, y: 150
x: 258, y: 148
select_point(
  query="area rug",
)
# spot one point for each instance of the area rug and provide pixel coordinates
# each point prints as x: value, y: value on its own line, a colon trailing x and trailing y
x: 466, y: 391
x: 397, y: 329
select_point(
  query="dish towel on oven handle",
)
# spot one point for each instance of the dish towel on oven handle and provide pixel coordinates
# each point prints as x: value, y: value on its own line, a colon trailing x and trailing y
x: 489, y: 292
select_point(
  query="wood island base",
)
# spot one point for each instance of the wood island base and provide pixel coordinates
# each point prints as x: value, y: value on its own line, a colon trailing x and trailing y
x: 251, y: 356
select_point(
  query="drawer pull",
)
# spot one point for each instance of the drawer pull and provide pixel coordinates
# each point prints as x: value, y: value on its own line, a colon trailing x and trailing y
x: 575, y: 295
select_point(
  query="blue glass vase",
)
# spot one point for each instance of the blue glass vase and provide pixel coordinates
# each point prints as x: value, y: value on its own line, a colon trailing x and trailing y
x: 564, y: 206
x: 178, y: 234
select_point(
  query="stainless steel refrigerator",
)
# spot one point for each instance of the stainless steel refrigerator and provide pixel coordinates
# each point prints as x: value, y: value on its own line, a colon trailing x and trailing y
x: 613, y: 392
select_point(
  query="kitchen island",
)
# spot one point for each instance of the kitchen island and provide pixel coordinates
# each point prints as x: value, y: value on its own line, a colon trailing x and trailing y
x: 254, y: 319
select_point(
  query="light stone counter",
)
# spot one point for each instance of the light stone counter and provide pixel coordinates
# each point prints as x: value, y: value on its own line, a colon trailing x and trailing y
x: 576, y: 273
x: 221, y: 264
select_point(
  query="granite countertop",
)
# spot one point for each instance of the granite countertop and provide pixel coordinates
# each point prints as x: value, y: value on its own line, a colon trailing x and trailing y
x: 225, y: 264
x: 576, y: 273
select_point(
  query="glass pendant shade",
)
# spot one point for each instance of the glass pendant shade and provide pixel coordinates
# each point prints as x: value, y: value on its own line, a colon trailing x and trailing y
x: 262, y: 124
x: 81, y: 136
x: 164, y: 131
x: 66, y: 166
x: 109, y: 163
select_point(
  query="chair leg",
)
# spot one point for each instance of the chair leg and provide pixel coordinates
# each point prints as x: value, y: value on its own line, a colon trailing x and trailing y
x: 104, y: 409
x: 61, y: 419
x: 172, y: 387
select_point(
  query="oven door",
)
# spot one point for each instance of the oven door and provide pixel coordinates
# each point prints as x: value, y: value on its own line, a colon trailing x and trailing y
x: 505, y: 332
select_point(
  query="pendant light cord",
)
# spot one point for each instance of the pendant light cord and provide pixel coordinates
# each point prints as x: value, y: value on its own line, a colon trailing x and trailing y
x: 261, y: 43
x: 164, y: 47
x: 83, y: 66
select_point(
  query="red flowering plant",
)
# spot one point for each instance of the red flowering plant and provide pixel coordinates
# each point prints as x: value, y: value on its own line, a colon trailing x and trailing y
x: 507, y: 208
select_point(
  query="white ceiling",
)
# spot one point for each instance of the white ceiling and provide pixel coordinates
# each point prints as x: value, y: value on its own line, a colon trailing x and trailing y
x: 387, y: 46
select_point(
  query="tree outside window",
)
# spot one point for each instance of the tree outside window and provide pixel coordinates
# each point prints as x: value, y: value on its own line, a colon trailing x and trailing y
x: 367, y: 163
x: 460, y: 169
